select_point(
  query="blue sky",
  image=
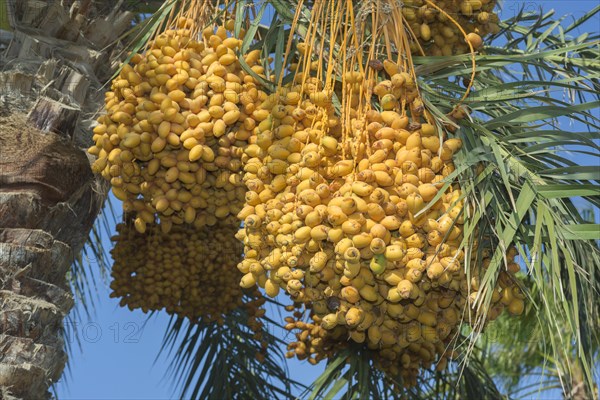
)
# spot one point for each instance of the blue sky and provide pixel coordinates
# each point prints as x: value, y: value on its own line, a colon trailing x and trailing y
x: 119, y: 347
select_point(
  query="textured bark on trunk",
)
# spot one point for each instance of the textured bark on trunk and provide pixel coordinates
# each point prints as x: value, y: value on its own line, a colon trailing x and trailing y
x: 53, y: 65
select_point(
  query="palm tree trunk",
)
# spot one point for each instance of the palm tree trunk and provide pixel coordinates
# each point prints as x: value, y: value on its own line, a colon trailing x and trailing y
x: 53, y: 65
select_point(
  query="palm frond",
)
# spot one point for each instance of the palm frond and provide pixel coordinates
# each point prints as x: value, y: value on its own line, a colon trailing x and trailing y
x: 220, y: 361
x: 351, y: 375
x: 89, y: 267
x: 531, y: 172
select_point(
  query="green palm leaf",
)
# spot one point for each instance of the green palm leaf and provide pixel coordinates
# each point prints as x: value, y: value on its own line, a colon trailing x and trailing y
x: 218, y: 361
x: 351, y: 375
x: 527, y: 189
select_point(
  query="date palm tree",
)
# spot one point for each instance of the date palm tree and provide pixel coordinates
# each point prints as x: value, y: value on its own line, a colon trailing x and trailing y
x: 520, y: 168
x: 521, y: 183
